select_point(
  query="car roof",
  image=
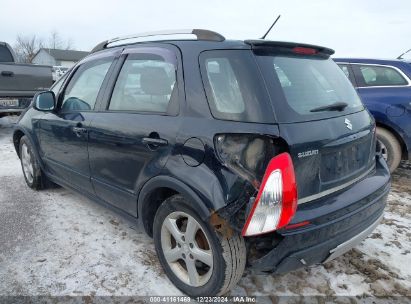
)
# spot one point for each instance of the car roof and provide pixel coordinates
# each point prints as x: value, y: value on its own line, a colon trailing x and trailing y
x: 205, y: 39
x: 186, y: 45
x: 226, y: 44
x: 370, y: 60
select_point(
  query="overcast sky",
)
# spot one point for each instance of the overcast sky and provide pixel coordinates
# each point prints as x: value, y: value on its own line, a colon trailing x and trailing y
x: 366, y: 28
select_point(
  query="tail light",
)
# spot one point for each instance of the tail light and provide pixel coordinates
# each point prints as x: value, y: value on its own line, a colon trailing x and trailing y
x: 276, y: 201
x: 247, y: 155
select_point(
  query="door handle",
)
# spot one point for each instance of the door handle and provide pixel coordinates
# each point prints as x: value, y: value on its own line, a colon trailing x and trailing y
x: 79, y: 131
x: 154, y: 142
x: 7, y: 73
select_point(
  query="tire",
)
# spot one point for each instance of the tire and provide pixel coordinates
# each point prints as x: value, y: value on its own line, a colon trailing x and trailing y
x: 32, y: 172
x: 391, y: 148
x: 227, y: 254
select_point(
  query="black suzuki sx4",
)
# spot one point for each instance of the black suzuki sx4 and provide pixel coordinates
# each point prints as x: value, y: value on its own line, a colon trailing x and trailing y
x: 231, y: 154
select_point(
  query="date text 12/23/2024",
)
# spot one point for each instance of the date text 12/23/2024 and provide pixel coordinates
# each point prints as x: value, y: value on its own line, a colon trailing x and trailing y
x: 185, y: 299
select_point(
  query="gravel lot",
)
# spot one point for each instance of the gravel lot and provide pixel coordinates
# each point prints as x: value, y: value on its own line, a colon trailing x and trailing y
x: 56, y: 242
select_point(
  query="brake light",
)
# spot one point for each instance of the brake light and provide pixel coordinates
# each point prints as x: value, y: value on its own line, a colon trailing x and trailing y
x: 276, y: 200
x: 304, y: 50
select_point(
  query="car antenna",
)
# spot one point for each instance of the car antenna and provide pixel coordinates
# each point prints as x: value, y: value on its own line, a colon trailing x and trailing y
x: 272, y: 25
x: 400, y: 57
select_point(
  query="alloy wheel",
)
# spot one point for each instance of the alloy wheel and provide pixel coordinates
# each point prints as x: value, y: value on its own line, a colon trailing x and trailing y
x: 27, y: 164
x: 187, y: 249
x: 384, y: 151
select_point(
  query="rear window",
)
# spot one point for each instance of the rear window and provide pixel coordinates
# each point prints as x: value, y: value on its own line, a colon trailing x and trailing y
x: 5, y: 55
x: 234, y: 87
x: 300, y: 84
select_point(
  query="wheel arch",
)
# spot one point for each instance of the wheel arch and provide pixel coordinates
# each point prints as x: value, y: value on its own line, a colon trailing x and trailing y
x: 159, y: 188
x: 404, y: 149
x: 17, y: 135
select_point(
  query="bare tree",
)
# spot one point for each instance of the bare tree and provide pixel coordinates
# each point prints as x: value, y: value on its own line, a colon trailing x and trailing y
x: 56, y: 42
x: 26, y: 47
x: 69, y: 44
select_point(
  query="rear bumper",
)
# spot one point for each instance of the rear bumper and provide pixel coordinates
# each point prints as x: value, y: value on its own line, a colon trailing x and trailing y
x: 337, y: 223
x: 24, y: 103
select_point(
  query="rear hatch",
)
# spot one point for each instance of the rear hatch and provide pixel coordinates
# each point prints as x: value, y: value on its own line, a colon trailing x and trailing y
x: 331, y: 137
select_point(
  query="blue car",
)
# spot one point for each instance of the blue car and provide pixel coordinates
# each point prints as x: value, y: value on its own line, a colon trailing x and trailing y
x: 385, y: 88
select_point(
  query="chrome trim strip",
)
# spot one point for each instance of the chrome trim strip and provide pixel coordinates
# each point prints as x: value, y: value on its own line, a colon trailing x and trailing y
x: 329, y: 191
x: 354, y: 241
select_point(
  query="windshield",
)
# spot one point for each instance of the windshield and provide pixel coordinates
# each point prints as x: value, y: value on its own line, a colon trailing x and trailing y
x: 306, y: 88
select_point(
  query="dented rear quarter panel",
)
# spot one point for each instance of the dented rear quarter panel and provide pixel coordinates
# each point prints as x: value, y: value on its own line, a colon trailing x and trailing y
x: 213, y: 182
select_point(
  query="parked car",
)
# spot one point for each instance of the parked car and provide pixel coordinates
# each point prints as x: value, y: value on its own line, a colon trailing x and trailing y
x: 19, y: 82
x: 229, y: 153
x: 385, y: 88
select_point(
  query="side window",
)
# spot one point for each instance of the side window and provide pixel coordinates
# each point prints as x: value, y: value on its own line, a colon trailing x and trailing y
x: 146, y: 83
x: 234, y: 87
x: 380, y: 76
x: 347, y: 72
x: 82, y: 90
x: 224, y: 85
x: 345, y: 69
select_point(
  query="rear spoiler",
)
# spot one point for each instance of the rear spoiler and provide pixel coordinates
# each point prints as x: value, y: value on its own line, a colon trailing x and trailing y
x: 289, y: 48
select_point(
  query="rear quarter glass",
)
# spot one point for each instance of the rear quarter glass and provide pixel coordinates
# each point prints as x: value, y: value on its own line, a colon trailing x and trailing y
x: 234, y: 86
x: 297, y: 84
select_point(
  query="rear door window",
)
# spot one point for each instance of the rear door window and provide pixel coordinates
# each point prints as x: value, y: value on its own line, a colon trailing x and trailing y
x: 146, y: 83
x: 376, y: 76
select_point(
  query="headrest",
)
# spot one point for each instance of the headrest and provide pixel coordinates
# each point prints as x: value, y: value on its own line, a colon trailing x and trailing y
x: 154, y: 81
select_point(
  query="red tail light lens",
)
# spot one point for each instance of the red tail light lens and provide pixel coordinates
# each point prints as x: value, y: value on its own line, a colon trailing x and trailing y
x: 276, y: 200
x: 304, y: 50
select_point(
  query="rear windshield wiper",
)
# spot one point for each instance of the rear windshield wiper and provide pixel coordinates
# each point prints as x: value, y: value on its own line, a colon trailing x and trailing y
x: 337, y: 106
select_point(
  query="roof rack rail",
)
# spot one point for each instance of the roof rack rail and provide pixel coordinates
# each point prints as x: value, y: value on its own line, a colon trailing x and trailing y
x: 201, y: 35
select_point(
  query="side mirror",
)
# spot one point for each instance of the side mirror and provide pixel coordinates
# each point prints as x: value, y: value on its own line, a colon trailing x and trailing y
x: 45, y: 101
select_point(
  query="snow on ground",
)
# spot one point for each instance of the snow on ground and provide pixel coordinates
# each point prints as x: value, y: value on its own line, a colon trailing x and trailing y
x: 56, y: 242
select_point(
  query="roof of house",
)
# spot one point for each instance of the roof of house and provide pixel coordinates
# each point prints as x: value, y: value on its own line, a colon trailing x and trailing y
x: 65, y: 55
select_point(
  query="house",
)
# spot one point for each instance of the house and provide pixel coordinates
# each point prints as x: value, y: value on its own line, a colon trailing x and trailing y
x: 55, y: 57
